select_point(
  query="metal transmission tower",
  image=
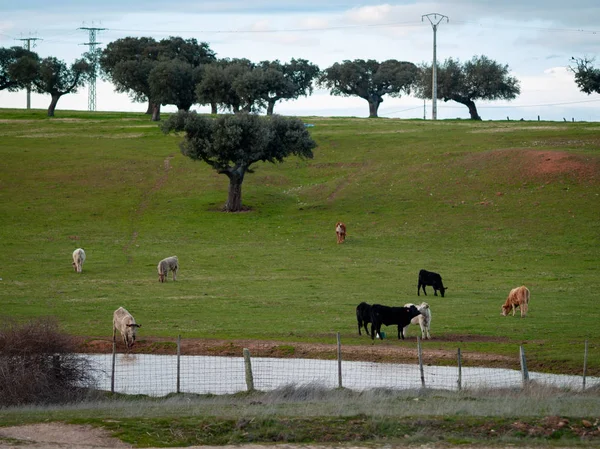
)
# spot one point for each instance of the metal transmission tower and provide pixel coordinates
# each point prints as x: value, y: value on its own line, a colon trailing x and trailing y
x: 93, y: 59
x: 27, y: 44
x: 434, y: 18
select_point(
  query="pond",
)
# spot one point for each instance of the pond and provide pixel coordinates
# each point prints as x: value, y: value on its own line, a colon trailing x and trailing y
x: 156, y: 375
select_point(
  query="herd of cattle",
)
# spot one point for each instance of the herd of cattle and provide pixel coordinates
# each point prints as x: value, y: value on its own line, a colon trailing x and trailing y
x: 123, y: 321
x: 376, y: 314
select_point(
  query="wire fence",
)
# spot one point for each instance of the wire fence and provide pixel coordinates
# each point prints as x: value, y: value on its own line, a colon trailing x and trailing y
x: 160, y: 375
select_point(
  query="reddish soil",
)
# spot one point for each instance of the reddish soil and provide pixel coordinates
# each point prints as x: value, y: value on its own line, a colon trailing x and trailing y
x: 539, y: 164
x: 386, y: 351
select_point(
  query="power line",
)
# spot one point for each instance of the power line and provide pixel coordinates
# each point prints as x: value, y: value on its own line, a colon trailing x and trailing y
x: 27, y: 44
x: 435, y: 19
x: 92, y: 82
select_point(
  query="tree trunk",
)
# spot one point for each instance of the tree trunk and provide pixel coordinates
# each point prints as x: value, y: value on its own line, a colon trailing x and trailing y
x: 234, y: 198
x: 469, y: 104
x: 52, y: 107
x: 374, y: 102
x: 155, y: 112
x: 213, y: 108
x: 473, y: 110
x: 270, y: 107
x: 150, y: 108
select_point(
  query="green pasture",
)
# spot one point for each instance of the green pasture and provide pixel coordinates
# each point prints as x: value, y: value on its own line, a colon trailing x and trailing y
x: 489, y: 205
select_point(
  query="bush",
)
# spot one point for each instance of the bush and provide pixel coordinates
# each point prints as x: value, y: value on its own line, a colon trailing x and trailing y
x: 39, y: 364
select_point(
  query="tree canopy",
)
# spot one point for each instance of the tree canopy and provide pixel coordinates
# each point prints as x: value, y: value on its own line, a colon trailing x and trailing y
x: 8, y: 59
x: 52, y: 76
x: 231, y: 144
x: 370, y: 80
x: 478, y: 79
x: 128, y: 63
x: 587, y: 77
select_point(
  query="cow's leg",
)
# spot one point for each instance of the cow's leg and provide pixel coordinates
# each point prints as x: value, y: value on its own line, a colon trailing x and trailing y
x: 418, y: 289
x: 367, y: 328
x: 434, y: 291
x: 400, y: 332
x: 359, y: 326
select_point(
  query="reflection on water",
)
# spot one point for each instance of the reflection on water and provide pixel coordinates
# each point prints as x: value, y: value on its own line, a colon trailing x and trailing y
x: 156, y: 375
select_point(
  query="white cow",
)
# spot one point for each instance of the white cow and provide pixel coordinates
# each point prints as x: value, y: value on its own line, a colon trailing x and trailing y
x: 166, y: 265
x: 78, y: 259
x: 423, y: 320
x: 124, y: 322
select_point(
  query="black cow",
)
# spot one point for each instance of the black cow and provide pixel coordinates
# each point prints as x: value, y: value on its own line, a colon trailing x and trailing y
x: 389, y: 316
x: 363, y: 316
x: 433, y: 279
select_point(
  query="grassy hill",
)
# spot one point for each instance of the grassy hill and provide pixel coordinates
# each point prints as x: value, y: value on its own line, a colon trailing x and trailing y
x: 489, y: 205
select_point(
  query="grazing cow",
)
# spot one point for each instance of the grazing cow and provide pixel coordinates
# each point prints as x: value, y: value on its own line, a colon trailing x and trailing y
x: 124, y: 322
x: 423, y: 320
x: 518, y: 298
x: 390, y: 316
x: 166, y: 265
x: 78, y: 259
x: 433, y: 279
x: 340, y: 232
x: 363, y: 316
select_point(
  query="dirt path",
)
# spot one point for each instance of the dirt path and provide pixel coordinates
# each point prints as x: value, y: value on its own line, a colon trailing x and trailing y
x: 66, y: 436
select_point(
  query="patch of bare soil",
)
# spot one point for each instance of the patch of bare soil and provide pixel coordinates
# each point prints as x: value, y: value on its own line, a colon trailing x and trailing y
x: 387, y: 351
x: 57, y: 435
x: 537, y: 164
x: 65, y: 436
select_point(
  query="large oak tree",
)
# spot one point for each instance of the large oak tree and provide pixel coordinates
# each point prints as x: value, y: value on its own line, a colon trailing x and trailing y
x: 587, y: 77
x: 370, y: 80
x: 128, y: 63
x: 8, y: 59
x: 51, y: 76
x: 231, y: 144
x: 478, y: 79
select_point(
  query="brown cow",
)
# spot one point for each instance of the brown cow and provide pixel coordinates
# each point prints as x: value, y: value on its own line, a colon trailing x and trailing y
x: 340, y: 231
x: 518, y: 298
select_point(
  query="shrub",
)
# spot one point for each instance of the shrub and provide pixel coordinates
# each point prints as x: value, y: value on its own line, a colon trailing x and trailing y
x: 39, y: 364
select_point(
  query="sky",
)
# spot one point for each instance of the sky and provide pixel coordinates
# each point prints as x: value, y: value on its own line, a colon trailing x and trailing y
x: 535, y: 38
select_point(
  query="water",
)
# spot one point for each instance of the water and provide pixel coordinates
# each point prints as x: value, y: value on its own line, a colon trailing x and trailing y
x: 156, y: 375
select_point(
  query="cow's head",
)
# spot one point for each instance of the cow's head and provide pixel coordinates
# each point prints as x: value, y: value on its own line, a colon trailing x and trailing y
x: 412, y: 311
x: 161, y: 277
x: 505, y: 309
x: 130, y: 334
x: 75, y: 266
x: 443, y: 290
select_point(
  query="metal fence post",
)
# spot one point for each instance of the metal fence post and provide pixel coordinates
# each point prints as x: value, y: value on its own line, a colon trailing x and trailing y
x: 585, y: 356
x: 339, y: 357
x: 114, y: 359
x: 524, y: 372
x: 459, y: 371
x: 248, y: 370
x: 420, y: 352
x: 178, y: 363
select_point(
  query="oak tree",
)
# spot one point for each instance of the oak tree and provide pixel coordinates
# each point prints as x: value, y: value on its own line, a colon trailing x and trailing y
x: 232, y: 143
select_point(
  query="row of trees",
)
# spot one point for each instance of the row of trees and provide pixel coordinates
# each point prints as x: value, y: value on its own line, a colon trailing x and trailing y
x: 184, y: 72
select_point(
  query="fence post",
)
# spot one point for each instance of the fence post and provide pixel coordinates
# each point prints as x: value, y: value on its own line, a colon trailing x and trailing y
x: 114, y: 359
x: 538, y: 118
x: 585, y: 356
x: 339, y: 358
x: 524, y: 372
x: 248, y: 369
x: 178, y: 363
x: 459, y: 371
x: 420, y: 352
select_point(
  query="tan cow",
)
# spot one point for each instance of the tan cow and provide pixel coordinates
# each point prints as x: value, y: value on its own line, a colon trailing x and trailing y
x: 124, y: 322
x: 518, y: 298
x: 166, y: 265
x: 78, y: 259
x: 340, y: 231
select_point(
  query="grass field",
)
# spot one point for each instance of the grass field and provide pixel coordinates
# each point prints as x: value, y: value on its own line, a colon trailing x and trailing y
x: 489, y: 205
